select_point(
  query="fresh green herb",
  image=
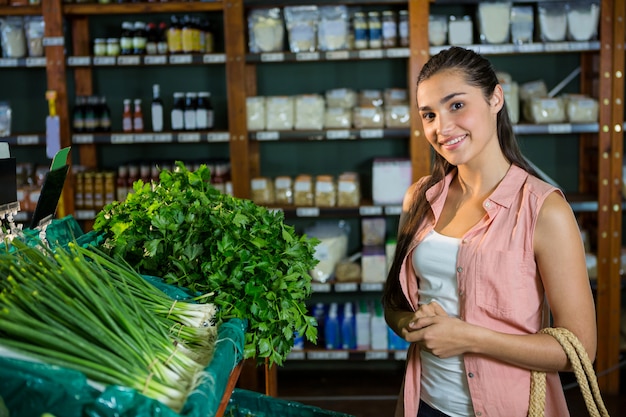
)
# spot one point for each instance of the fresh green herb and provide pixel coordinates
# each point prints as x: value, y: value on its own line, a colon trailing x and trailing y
x: 192, y: 235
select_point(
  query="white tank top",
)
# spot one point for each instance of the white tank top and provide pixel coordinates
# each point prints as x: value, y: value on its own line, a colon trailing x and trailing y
x: 443, y: 381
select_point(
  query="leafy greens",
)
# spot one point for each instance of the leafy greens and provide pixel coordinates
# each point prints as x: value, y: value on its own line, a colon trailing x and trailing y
x: 189, y: 233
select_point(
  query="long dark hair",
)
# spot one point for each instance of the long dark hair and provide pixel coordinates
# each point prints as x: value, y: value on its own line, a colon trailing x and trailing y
x: 478, y: 72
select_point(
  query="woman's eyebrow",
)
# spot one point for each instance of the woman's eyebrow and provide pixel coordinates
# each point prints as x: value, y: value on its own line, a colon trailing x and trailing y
x: 442, y: 101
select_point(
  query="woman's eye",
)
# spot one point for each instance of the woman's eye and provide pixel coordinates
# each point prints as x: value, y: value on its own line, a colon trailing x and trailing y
x: 428, y: 116
x: 457, y: 106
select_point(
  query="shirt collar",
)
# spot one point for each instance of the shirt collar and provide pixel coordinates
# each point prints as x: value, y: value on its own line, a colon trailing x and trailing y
x: 503, y: 195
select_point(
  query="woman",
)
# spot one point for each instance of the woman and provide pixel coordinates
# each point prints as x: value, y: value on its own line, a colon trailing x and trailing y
x: 483, y: 247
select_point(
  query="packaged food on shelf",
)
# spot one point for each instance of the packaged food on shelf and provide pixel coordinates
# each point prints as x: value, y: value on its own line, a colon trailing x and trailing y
x: 333, y: 28
x: 391, y: 177
x: 5, y: 119
x: 397, y: 116
x: 390, y: 29
x: 303, y: 190
x: 373, y: 231
x: 395, y: 96
x: 301, y: 23
x: 437, y: 29
x: 522, y: 24
x: 374, y: 30
x: 460, y: 30
x: 582, y: 20
x: 403, y: 27
x: 13, y: 37
x: 552, y: 21
x: 530, y: 89
x: 113, y: 47
x: 348, y: 271
x: 255, y: 113
x: 581, y: 108
x: 325, y: 191
x: 348, y: 190
x: 511, y: 95
x: 266, y: 30
x: 360, y: 33
x: 337, y: 118
x: 332, y: 247
x: 494, y: 21
x: 341, y: 97
x: 370, y: 98
x: 99, y: 47
x: 373, y: 264
x: 309, y: 111
x: 279, y: 113
x: 262, y: 189
x: 545, y: 110
x: 368, y: 117
x: 34, y: 28
x: 283, y: 189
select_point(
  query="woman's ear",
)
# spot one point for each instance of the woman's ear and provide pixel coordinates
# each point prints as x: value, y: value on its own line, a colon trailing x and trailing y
x: 497, y: 98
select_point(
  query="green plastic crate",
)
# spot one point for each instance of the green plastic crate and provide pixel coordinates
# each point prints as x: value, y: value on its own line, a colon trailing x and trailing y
x: 244, y: 403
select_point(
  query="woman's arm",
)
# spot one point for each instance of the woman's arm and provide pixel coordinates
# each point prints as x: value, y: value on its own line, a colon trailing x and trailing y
x: 561, y: 262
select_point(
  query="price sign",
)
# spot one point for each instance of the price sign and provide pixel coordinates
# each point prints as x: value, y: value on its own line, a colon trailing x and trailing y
x: 181, y: 59
x: 273, y: 135
x: 82, y: 139
x: 560, y: 128
x: 371, y: 286
x: 371, y: 210
x: 308, y: 56
x: 36, y: 62
x: 155, y: 59
x: 189, y: 137
x: 393, y: 210
x: 214, y: 58
x: 144, y: 137
x: 320, y: 287
x: 104, y: 60
x: 53, y: 41
x: 8, y: 62
x: 329, y: 355
x: 371, y: 133
x: 338, y: 134
x: 163, y: 137
x: 128, y: 60
x: 337, y: 55
x: 218, y: 137
x: 346, y: 287
x: 79, y: 61
x: 371, y: 54
x: 399, y: 355
x: 28, y: 140
x: 398, y: 53
x: 308, y: 212
x: 377, y: 355
x: 120, y: 139
x: 273, y: 57
x: 296, y: 356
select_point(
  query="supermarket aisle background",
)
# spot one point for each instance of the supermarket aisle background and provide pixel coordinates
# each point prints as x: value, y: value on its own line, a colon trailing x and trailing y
x: 366, y: 390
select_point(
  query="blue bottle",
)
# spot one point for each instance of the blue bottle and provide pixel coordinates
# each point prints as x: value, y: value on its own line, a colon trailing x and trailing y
x: 332, y: 332
x: 348, y: 333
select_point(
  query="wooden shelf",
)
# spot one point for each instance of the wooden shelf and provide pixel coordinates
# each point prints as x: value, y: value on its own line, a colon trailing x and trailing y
x: 20, y: 10
x: 163, y: 137
x: 143, y: 8
x: 145, y: 60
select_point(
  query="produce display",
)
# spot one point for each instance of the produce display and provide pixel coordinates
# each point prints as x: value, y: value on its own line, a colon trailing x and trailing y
x: 80, y: 309
x: 189, y: 233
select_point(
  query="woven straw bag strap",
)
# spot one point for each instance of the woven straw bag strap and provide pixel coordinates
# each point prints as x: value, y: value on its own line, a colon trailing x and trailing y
x: 583, y: 369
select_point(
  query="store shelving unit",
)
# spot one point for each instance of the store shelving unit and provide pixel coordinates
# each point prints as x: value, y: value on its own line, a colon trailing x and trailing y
x: 598, y: 200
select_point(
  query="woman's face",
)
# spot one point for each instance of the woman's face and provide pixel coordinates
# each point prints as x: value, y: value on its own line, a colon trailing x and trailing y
x: 459, y: 123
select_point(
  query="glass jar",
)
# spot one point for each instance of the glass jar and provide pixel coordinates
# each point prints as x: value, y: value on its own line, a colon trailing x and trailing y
x: 113, y: 47
x: 359, y: 23
x: 403, y: 27
x: 99, y: 47
x: 390, y: 29
x: 375, y: 30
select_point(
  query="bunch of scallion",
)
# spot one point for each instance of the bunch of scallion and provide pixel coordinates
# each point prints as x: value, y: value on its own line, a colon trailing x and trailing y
x: 81, y: 309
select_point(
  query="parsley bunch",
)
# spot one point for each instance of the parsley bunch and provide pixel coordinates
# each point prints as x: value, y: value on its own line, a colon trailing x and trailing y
x: 192, y: 235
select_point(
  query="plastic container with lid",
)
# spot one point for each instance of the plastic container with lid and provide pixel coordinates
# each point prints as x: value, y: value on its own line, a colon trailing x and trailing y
x: 460, y: 30
x: 494, y: 22
x: 437, y: 29
x: 99, y: 47
x: 552, y: 21
x: 582, y: 20
x: 522, y: 24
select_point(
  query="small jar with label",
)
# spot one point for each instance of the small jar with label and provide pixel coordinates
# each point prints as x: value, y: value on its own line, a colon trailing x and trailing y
x: 359, y: 23
x: 99, y: 47
x: 178, y: 112
x: 126, y: 39
x: 390, y: 29
x: 191, y: 105
x: 113, y: 47
x: 374, y: 30
x: 403, y: 28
